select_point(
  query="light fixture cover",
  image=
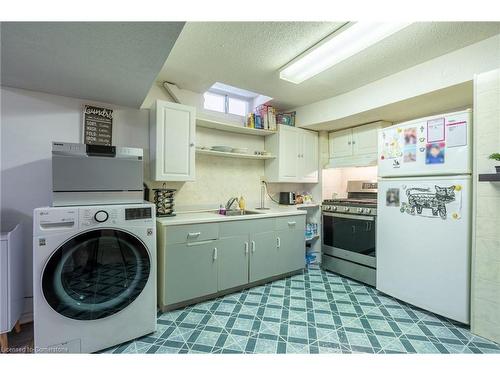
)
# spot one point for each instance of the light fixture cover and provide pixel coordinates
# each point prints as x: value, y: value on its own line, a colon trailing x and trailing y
x: 337, y: 48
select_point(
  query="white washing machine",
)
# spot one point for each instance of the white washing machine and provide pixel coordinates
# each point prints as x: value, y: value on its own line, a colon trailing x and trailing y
x: 94, y: 276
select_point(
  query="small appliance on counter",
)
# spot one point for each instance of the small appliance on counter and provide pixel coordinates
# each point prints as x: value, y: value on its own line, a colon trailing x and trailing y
x: 287, y: 197
x: 93, y: 174
x: 164, y: 201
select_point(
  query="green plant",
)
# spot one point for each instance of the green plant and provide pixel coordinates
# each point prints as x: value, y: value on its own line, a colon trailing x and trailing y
x: 495, y: 156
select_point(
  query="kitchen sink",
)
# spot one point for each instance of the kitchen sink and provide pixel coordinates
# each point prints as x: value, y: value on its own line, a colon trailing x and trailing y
x: 240, y: 212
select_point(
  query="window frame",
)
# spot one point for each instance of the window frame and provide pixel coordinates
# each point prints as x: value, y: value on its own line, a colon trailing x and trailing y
x: 226, y: 97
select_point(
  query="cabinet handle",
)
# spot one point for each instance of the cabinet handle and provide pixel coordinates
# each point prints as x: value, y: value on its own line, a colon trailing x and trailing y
x: 278, y: 240
x: 191, y: 144
x: 194, y: 234
x: 246, y: 247
x: 353, y: 142
x: 215, y: 253
x: 349, y: 143
x: 253, y: 246
x: 292, y: 223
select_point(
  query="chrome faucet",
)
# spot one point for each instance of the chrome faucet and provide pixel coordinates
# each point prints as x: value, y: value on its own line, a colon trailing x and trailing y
x: 230, y: 202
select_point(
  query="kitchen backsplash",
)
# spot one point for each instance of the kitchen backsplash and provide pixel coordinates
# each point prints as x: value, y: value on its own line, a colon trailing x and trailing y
x: 213, y: 186
x: 335, y: 179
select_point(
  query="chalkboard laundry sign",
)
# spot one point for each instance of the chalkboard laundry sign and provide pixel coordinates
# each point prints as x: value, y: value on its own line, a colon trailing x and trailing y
x: 97, y: 125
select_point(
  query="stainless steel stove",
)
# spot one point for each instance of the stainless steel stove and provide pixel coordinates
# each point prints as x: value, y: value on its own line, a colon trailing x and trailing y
x: 349, y: 227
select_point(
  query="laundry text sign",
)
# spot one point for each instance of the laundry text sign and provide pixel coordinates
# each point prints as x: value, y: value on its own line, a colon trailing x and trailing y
x: 97, y: 125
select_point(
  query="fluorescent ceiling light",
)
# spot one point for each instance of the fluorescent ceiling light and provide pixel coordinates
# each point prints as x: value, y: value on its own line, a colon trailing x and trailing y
x: 337, y: 48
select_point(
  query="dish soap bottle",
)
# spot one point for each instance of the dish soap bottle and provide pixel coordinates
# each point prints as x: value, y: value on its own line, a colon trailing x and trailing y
x: 241, y: 203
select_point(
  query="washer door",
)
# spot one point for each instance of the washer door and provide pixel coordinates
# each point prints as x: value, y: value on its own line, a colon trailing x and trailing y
x: 96, y: 274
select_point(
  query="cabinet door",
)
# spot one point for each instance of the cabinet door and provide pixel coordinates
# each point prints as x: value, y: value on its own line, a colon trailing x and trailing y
x: 233, y: 255
x: 190, y: 271
x: 173, y: 141
x: 340, y: 143
x: 291, y: 250
x: 263, y: 256
x: 288, y: 154
x: 364, y: 139
x: 308, y: 159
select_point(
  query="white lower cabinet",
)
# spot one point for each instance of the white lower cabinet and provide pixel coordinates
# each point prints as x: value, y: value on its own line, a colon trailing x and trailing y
x: 290, y: 254
x: 190, y: 271
x: 233, y: 253
x: 197, y: 261
x: 263, y: 256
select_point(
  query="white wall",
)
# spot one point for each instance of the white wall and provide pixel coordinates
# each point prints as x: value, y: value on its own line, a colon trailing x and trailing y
x: 485, y: 280
x: 335, y: 179
x: 30, y: 121
x: 448, y: 70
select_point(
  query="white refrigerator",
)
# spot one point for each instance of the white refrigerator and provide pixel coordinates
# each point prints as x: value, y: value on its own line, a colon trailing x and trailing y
x: 424, y: 213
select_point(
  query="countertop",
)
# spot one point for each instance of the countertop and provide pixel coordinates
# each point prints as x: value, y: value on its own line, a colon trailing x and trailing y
x: 211, y: 216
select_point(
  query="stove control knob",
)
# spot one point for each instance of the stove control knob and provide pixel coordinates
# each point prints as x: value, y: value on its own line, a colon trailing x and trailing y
x: 326, y: 208
x: 360, y: 210
x: 346, y: 209
x: 101, y: 216
x: 334, y: 208
x: 368, y: 210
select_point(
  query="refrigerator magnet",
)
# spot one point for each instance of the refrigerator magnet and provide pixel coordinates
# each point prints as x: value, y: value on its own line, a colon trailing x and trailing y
x: 410, y: 154
x: 456, y: 134
x: 435, y: 153
x: 435, y: 130
x: 392, y: 198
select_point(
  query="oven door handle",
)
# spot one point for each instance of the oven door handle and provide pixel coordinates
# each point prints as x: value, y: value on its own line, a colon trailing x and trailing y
x: 349, y: 216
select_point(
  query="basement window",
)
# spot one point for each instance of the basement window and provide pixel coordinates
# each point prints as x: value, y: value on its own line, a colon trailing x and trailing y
x: 231, y: 100
x: 237, y: 106
x: 214, y: 102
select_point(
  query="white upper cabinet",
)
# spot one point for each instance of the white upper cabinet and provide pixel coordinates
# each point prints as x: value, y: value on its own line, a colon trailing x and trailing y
x: 297, y: 155
x: 356, y: 147
x: 309, y: 155
x: 288, y: 153
x: 172, y: 130
x: 340, y: 143
x: 364, y: 139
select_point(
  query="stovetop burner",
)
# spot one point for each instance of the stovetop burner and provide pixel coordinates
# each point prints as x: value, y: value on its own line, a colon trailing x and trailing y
x: 368, y: 202
x: 361, y: 199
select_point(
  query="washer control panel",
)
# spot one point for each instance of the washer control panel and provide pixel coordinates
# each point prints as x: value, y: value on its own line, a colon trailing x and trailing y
x: 101, y: 216
x: 94, y: 216
x: 138, y: 213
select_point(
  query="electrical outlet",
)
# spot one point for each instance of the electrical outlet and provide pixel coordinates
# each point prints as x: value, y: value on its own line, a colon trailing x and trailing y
x: 263, y: 178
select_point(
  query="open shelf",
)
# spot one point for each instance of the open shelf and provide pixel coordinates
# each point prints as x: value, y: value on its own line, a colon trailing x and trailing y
x: 312, y: 238
x: 490, y: 177
x: 234, y: 128
x: 234, y: 155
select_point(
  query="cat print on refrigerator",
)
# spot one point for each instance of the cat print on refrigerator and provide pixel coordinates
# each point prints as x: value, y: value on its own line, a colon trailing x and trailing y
x: 419, y: 198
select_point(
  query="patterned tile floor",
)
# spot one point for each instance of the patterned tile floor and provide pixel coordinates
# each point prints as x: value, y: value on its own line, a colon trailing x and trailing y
x: 315, y: 312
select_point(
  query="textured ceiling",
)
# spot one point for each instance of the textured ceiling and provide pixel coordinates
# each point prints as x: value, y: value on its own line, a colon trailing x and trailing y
x: 114, y: 62
x: 249, y: 55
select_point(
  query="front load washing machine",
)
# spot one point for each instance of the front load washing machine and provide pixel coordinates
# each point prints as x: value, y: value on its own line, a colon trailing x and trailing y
x: 94, y: 276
